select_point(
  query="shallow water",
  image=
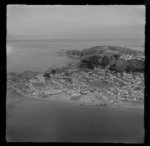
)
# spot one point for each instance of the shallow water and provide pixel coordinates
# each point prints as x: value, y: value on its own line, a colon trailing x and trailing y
x: 41, y: 121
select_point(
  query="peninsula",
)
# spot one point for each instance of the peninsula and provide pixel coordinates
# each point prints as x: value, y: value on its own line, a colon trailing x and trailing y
x: 102, y: 76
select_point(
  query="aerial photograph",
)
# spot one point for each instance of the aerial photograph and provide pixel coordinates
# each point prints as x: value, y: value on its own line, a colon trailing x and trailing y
x: 75, y: 73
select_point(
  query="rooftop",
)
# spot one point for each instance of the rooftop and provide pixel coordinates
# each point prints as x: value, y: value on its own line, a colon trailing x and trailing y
x: 38, y: 84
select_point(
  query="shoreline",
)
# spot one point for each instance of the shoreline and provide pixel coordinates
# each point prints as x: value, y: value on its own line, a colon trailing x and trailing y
x: 59, y: 98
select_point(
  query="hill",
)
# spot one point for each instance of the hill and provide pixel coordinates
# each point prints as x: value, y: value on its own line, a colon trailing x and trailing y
x: 114, y: 58
x: 97, y: 50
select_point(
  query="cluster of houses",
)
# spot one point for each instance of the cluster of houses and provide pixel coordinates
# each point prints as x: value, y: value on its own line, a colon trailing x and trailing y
x: 77, y: 86
x: 39, y: 87
x: 128, y: 57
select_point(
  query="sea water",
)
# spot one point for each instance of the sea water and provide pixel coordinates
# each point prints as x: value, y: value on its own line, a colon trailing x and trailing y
x: 41, y: 121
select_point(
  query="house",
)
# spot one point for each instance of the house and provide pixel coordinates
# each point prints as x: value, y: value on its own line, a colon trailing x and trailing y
x: 40, y: 77
x: 74, y: 93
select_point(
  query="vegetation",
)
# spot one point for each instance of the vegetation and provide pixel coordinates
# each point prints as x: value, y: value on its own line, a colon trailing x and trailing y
x: 108, y: 57
x: 98, y: 50
x: 119, y: 65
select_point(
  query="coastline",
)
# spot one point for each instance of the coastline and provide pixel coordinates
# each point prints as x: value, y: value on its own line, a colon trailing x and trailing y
x: 63, y: 98
x: 83, y: 100
x: 29, y: 101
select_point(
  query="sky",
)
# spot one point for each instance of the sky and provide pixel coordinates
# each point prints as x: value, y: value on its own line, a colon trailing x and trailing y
x: 88, y: 21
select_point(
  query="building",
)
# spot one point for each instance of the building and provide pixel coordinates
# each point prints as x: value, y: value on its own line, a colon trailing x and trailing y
x: 74, y: 93
x: 40, y: 77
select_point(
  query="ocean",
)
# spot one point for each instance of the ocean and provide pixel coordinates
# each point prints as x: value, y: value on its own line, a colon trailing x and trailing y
x: 41, y: 121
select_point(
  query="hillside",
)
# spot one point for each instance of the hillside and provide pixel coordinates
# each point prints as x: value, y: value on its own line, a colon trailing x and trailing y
x: 110, y: 57
x: 98, y: 50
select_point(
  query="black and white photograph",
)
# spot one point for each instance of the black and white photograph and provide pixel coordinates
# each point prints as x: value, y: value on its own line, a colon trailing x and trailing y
x: 75, y: 73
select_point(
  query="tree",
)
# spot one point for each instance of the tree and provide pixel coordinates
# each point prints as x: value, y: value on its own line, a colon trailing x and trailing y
x: 53, y: 71
x: 46, y: 75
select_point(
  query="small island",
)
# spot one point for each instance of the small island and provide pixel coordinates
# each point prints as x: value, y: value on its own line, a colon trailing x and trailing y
x: 102, y: 76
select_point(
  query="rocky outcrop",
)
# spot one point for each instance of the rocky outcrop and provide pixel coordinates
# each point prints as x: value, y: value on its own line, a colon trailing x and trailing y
x: 113, y: 63
x: 109, y: 57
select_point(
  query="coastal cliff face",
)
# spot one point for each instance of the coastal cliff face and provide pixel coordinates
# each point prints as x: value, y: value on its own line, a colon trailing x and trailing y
x: 110, y: 57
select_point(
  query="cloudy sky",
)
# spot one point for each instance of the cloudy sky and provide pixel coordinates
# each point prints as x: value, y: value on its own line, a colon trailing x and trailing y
x: 76, y: 21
